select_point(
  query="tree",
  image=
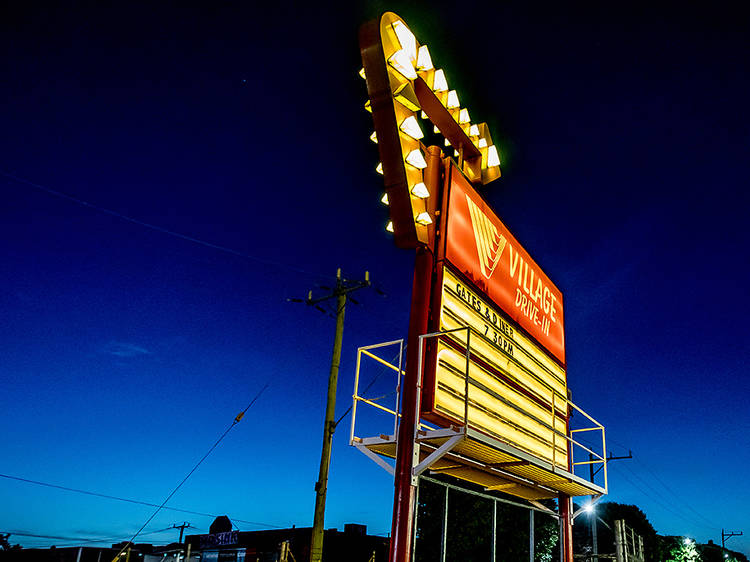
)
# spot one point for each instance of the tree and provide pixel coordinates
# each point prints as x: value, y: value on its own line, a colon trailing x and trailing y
x: 684, y: 551
x: 609, y: 512
x: 5, y: 544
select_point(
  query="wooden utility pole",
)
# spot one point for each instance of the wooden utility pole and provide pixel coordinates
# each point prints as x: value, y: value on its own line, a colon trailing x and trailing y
x: 593, y: 473
x: 181, y: 528
x: 725, y: 536
x: 339, y: 292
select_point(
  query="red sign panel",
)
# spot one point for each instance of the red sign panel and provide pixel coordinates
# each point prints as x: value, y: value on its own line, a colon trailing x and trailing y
x: 480, y: 246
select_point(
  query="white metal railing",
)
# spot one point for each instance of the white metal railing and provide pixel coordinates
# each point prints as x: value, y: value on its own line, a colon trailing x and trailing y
x: 558, y: 403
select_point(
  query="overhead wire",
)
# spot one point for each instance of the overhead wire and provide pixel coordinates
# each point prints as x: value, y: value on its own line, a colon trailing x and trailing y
x: 157, y: 228
x: 674, y: 494
x: 665, y: 505
x: 130, y: 500
x: 236, y: 420
x: 79, y: 540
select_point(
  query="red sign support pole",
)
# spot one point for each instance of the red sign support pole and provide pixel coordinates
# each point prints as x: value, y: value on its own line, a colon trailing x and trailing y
x: 566, y: 526
x: 402, y: 531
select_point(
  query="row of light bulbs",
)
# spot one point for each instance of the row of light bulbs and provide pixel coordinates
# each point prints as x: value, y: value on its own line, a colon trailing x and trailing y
x: 408, y: 61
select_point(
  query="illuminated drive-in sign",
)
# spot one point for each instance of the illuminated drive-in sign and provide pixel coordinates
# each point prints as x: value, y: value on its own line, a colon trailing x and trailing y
x: 517, y: 387
x: 480, y: 247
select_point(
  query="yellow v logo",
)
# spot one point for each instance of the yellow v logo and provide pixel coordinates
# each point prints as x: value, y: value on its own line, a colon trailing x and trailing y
x: 490, y: 243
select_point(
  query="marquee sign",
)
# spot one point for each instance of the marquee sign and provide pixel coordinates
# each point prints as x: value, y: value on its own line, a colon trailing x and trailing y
x: 516, y: 391
x: 480, y: 246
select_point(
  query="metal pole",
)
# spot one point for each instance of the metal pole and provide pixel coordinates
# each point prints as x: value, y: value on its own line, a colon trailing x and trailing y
x: 444, y: 528
x: 566, y: 528
x: 531, y: 535
x: 619, y: 540
x: 594, y: 538
x: 494, y: 531
x: 321, y: 486
x: 416, y: 521
x: 405, y: 482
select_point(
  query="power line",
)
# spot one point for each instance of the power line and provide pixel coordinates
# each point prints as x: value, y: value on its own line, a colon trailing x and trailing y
x: 157, y: 228
x: 664, y: 505
x: 189, y: 474
x: 79, y: 540
x: 674, y: 494
x: 129, y: 500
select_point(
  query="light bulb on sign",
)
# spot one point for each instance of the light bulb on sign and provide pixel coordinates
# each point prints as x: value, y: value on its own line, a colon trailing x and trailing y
x: 440, y: 84
x: 410, y: 126
x: 406, y: 39
x: 401, y: 61
x: 423, y: 219
x: 452, y: 102
x: 424, y: 60
x: 493, y: 158
x: 416, y: 159
x: 420, y: 190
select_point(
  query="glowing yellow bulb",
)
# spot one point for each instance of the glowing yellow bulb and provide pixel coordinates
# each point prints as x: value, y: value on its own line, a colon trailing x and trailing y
x: 379, y: 168
x: 452, y: 102
x: 440, y: 84
x: 362, y: 73
x: 435, y: 129
x: 493, y: 158
x: 474, y: 131
x: 410, y: 126
x: 416, y: 159
x: 420, y: 190
x: 423, y: 219
x: 406, y: 39
x: 374, y: 137
x: 424, y: 115
x: 424, y: 60
x: 368, y: 106
x: 389, y: 226
x: 482, y: 143
x: 401, y: 61
x: 384, y: 199
x: 447, y: 142
x: 463, y: 116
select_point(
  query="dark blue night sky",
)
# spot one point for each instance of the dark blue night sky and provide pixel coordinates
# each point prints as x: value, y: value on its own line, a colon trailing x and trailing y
x: 126, y: 350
